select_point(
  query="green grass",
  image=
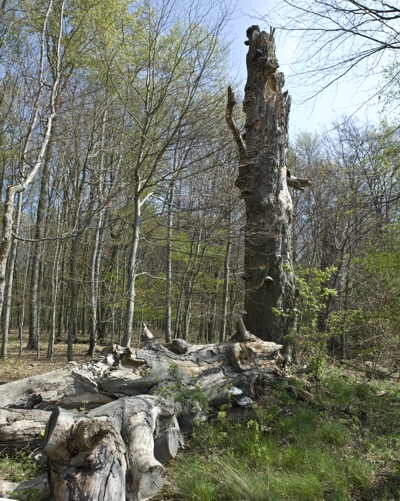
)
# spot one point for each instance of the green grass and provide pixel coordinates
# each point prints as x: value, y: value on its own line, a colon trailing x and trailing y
x: 343, y: 446
x: 19, y: 469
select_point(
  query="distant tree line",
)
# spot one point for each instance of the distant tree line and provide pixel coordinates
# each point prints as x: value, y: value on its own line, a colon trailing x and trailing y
x: 117, y: 180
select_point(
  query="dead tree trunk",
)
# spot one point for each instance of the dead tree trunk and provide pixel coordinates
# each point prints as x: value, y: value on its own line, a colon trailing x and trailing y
x: 140, y: 400
x: 270, y: 289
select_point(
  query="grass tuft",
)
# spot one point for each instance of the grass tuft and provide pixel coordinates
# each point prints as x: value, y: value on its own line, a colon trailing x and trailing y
x: 329, y: 449
x: 19, y: 469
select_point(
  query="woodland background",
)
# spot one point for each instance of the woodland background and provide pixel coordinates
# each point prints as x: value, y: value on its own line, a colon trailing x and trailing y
x: 133, y: 214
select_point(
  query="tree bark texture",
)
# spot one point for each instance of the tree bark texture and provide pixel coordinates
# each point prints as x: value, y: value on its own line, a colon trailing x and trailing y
x: 270, y: 289
x: 132, y: 420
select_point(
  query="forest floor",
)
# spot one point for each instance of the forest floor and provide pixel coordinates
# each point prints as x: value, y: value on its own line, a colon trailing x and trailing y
x: 15, y: 367
x: 332, y: 439
x: 29, y: 364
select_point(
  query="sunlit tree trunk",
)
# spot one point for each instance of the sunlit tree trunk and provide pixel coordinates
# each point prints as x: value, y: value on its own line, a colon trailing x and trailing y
x: 29, y: 173
x: 168, y: 292
x: 9, y: 285
x: 54, y: 297
x: 270, y: 290
x: 225, y: 293
x: 130, y: 303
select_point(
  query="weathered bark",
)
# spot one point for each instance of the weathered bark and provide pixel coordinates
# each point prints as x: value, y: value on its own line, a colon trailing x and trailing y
x: 270, y: 289
x: 128, y: 372
x: 117, y: 450
x: 110, y: 453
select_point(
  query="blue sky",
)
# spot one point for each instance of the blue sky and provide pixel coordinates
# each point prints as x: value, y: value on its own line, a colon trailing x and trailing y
x: 343, y: 99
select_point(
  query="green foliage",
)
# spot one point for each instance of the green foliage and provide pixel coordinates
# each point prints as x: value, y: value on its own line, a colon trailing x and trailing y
x: 292, y: 450
x: 19, y: 468
x: 28, y: 495
x: 310, y: 343
x: 83, y: 408
x: 370, y: 324
x: 181, y: 391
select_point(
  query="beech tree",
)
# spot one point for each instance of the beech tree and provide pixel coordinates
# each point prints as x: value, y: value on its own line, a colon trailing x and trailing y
x: 270, y: 289
x: 166, y: 94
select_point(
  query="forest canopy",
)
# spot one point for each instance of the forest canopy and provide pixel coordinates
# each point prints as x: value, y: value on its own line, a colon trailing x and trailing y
x: 118, y: 171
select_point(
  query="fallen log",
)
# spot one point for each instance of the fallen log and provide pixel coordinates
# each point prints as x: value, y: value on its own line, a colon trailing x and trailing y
x: 21, y: 430
x: 98, y: 452
x: 129, y: 371
x: 136, y: 404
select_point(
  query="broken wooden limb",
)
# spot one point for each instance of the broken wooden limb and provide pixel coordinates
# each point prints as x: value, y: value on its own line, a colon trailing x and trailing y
x: 85, y: 457
x: 297, y: 183
x: 67, y: 387
x: 241, y: 333
x: 136, y: 371
x: 114, y: 442
x: 233, y: 127
x: 148, y: 474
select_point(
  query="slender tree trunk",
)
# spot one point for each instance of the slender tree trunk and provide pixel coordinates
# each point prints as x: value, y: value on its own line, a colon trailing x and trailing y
x: 168, y: 294
x: 62, y: 295
x: 179, y: 309
x: 5, y: 242
x: 22, y: 306
x: 225, y: 293
x: 97, y: 248
x: 270, y: 290
x: 74, y: 298
x: 94, y: 286
x: 10, y: 283
x: 198, y: 259
x: 54, y: 297
x: 37, y: 251
x: 130, y: 303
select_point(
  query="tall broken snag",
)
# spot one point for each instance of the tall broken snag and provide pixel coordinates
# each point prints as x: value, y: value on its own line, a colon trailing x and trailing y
x: 262, y: 177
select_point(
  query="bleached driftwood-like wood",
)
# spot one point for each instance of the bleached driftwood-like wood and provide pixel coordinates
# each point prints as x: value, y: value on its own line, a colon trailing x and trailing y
x: 21, y: 430
x: 298, y: 183
x: 67, y: 387
x: 136, y: 371
x: 117, y: 450
x: 114, y: 442
x: 38, y: 487
x: 86, y: 458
